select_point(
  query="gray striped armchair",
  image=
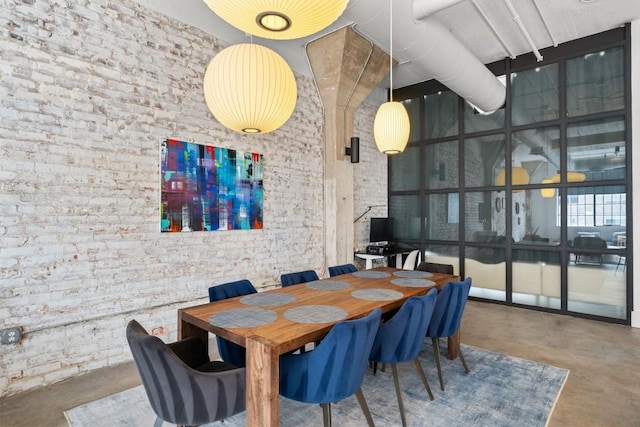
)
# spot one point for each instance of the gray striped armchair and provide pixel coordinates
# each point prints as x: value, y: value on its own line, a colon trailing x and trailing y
x: 183, y: 386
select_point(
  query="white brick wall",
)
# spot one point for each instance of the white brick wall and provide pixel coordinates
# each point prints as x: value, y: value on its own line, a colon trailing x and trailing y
x: 87, y: 89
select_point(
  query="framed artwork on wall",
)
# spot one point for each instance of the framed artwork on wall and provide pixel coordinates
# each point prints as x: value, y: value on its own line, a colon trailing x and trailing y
x: 207, y: 188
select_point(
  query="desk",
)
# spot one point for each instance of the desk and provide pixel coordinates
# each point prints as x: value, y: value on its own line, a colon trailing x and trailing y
x: 397, y: 253
x: 266, y: 343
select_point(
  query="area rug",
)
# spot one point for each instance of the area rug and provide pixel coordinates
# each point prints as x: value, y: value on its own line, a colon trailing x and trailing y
x: 498, y: 391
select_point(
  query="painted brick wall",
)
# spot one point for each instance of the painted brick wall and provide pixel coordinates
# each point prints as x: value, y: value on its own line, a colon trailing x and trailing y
x: 370, y: 178
x: 87, y: 90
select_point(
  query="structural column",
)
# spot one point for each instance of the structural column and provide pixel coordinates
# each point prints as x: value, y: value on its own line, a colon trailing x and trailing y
x: 346, y: 68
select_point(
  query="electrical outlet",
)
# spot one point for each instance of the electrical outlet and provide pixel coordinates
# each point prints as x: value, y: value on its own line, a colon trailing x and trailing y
x: 156, y: 332
x: 10, y: 336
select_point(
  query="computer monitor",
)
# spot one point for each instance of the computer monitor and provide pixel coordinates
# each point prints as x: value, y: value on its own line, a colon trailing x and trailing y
x: 381, y: 230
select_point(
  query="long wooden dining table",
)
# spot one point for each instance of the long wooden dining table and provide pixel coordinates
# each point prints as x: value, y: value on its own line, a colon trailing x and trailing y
x: 349, y: 296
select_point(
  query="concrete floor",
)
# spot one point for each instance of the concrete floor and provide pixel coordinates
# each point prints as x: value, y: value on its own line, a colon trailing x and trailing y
x: 603, y: 388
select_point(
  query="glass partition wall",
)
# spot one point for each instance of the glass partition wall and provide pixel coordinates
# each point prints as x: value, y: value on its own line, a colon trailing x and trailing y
x: 531, y: 200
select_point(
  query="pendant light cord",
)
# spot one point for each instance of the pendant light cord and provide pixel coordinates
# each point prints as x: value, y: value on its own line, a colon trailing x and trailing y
x: 391, y: 50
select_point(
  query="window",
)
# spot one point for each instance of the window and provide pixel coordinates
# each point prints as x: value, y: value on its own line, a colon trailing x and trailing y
x: 511, y: 191
x: 595, y: 210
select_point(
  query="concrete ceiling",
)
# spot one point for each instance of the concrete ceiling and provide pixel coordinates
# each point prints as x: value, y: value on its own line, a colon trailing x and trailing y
x: 548, y: 22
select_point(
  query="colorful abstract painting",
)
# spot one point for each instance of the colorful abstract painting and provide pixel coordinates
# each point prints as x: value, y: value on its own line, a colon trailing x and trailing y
x: 206, y: 188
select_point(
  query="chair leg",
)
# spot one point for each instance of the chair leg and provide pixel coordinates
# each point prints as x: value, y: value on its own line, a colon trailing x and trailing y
x: 436, y: 353
x: 416, y: 361
x: 326, y: 414
x: 464, y: 363
x: 396, y: 382
x: 158, y: 422
x: 365, y: 407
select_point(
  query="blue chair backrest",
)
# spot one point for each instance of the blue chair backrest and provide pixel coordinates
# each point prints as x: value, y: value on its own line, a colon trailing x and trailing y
x: 335, y: 369
x: 337, y: 270
x: 299, y: 277
x: 229, y: 351
x: 447, y: 313
x: 230, y: 290
x: 401, y: 338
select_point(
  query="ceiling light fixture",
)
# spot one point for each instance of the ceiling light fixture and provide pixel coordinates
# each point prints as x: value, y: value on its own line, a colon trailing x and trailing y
x: 391, y: 125
x: 547, y: 193
x: 519, y: 176
x: 250, y: 89
x: 278, y: 19
x: 571, y: 177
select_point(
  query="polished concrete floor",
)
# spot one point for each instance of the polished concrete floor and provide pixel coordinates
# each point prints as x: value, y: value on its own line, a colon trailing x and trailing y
x: 603, y: 388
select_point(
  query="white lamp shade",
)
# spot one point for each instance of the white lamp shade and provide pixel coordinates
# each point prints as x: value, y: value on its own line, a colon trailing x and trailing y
x: 519, y: 176
x: 278, y: 19
x: 547, y: 193
x: 250, y: 89
x: 571, y: 177
x: 391, y: 128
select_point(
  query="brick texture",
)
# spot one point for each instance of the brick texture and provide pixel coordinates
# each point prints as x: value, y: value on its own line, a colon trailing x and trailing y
x: 87, y: 90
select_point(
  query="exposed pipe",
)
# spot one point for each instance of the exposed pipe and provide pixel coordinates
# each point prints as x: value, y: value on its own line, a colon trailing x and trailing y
x: 493, y: 28
x: 546, y: 25
x: 518, y: 21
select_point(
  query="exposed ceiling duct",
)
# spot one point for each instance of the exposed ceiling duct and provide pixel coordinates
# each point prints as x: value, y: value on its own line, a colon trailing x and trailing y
x: 424, y: 8
x: 426, y: 43
x: 458, y: 69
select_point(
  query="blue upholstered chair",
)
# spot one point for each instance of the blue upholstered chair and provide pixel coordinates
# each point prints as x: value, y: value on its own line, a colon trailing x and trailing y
x: 334, y: 370
x: 298, y: 277
x: 400, y: 339
x: 446, y: 318
x: 183, y: 386
x: 230, y: 290
x: 337, y: 270
x: 231, y: 352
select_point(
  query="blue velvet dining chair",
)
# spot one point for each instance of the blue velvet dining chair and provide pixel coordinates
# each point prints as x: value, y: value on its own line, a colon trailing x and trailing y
x: 337, y: 270
x: 335, y: 369
x: 446, y: 318
x: 231, y: 352
x: 298, y: 277
x: 400, y: 339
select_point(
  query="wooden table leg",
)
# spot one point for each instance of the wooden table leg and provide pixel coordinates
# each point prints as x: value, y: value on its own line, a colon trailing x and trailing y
x: 451, y: 348
x: 262, y: 383
x: 186, y: 330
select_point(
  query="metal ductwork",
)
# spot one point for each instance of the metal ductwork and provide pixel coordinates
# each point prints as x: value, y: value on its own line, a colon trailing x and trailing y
x: 455, y: 67
x: 427, y: 43
x: 424, y: 8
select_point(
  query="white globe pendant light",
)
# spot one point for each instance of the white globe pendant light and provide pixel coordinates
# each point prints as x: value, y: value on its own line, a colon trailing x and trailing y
x: 547, y: 193
x: 278, y: 19
x: 391, y: 126
x: 250, y: 89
